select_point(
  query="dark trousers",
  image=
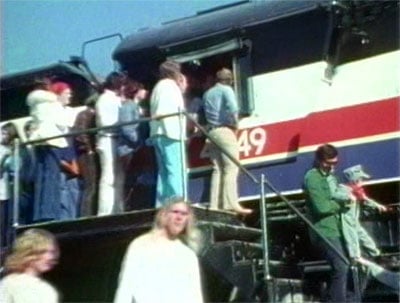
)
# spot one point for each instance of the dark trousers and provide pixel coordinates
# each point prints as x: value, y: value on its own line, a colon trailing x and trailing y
x: 47, y: 191
x: 90, y: 171
x: 341, y: 284
x: 5, y: 223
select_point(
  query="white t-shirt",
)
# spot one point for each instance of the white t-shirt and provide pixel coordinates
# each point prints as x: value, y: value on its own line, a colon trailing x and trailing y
x: 159, y: 270
x: 166, y: 98
x: 48, y: 114
x: 24, y: 288
x: 107, y: 109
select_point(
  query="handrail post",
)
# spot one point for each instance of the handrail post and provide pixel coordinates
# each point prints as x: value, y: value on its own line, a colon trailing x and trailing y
x: 182, y: 126
x: 265, y: 244
x: 16, y: 187
x: 264, y: 227
x: 16, y: 184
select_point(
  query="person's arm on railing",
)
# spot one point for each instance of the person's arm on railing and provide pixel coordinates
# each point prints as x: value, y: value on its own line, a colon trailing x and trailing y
x: 130, y: 132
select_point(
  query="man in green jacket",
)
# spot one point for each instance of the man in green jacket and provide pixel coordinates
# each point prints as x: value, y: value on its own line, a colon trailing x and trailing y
x: 325, y: 212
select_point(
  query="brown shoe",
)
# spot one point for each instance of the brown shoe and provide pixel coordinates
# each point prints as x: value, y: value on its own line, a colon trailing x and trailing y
x: 243, y: 211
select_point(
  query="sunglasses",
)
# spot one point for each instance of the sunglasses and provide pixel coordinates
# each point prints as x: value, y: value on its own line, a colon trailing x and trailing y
x: 331, y: 162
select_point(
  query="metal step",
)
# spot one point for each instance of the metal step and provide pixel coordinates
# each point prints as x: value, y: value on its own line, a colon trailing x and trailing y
x: 218, y: 232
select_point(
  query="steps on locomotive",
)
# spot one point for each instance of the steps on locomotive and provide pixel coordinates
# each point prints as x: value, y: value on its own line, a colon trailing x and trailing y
x: 280, y: 211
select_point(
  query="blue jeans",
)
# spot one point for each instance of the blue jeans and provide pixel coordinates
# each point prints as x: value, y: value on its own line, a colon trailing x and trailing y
x: 339, y: 290
x: 70, y: 197
x: 170, y: 179
x: 47, y: 191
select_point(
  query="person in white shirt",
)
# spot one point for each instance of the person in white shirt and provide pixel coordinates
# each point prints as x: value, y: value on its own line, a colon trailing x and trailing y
x: 107, y: 109
x: 64, y: 95
x: 48, y: 118
x: 161, y: 265
x: 47, y: 115
x: 69, y: 185
x: 34, y: 253
x: 166, y: 133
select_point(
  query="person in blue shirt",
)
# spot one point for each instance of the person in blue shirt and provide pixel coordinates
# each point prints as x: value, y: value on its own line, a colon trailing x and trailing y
x: 221, y: 111
x: 131, y: 140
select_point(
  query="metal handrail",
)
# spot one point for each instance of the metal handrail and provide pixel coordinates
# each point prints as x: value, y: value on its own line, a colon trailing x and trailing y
x: 264, y: 222
x: 262, y: 182
x: 94, y: 130
x: 18, y: 144
x: 276, y: 191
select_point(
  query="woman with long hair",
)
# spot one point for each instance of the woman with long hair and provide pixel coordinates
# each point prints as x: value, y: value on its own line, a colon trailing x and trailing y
x: 34, y: 252
x: 161, y: 265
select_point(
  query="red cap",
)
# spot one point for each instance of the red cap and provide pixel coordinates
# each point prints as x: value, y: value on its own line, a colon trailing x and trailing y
x: 59, y: 87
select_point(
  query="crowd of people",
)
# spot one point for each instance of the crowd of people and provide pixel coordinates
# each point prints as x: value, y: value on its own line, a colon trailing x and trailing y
x: 109, y: 171
x: 333, y: 208
x: 166, y: 257
x: 131, y: 162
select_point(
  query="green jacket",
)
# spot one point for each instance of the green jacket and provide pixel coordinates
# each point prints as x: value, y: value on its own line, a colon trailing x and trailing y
x: 323, y: 209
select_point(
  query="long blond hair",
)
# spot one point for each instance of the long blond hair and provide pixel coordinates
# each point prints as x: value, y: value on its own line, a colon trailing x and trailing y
x: 191, y: 235
x: 28, y: 247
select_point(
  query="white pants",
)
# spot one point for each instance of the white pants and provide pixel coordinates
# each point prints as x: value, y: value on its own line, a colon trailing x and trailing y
x: 110, y: 185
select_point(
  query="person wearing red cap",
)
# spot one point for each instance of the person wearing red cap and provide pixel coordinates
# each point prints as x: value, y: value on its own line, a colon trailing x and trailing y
x: 64, y: 95
x: 70, y: 189
x: 46, y: 113
x: 60, y: 88
x: 45, y: 110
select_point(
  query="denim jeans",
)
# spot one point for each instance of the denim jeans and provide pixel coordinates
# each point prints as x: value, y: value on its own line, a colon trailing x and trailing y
x: 47, y: 191
x: 339, y: 290
x: 70, y: 197
x: 170, y: 177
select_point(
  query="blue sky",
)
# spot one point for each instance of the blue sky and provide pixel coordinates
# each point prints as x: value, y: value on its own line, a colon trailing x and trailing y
x: 35, y: 33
